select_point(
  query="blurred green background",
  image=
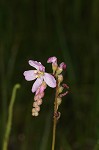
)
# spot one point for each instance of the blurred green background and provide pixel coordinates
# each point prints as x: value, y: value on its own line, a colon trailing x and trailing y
x: 69, y: 30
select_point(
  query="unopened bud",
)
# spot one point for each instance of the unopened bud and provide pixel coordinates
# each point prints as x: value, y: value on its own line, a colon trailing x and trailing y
x: 44, y: 84
x: 41, y: 95
x: 62, y: 65
x: 61, y: 95
x: 36, y: 114
x: 59, y: 100
x: 54, y: 67
x: 65, y: 86
x: 60, y: 89
x: 53, y: 60
x: 60, y: 78
x: 33, y: 110
x: 37, y: 108
x: 33, y: 114
x: 39, y: 101
x: 35, y: 104
x: 35, y: 97
x: 59, y: 70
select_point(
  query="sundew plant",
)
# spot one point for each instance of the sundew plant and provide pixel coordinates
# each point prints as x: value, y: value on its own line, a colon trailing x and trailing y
x: 42, y: 80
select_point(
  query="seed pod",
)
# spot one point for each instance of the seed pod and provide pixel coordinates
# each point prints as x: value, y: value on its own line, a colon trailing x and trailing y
x: 59, y: 100
x: 59, y: 70
x: 60, y: 89
x: 60, y: 78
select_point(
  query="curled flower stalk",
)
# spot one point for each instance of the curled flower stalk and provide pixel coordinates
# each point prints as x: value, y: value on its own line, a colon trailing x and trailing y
x: 10, y: 115
x: 38, y: 99
x: 43, y: 80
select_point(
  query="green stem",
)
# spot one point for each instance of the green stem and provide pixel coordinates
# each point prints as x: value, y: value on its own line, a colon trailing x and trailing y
x: 10, y: 115
x: 55, y: 119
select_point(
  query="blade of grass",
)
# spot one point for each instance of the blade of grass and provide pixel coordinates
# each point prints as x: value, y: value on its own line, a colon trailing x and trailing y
x: 10, y: 115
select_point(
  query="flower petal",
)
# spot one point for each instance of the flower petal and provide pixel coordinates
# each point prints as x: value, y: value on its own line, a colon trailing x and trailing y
x: 52, y: 60
x: 62, y: 65
x: 37, y: 65
x: 36, y: 84
x: 29, y: 75
x: 50, y: 80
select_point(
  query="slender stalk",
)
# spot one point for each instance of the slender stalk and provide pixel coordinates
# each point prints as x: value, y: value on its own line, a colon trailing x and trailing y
x: 10, y: 114
x: 54, y: 133
x: 55, y: 119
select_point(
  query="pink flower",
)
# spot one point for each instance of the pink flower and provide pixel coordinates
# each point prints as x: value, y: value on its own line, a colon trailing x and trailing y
x: 40, y: 75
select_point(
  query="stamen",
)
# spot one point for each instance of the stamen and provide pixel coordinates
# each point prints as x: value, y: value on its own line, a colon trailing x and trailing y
x: 36, y: 76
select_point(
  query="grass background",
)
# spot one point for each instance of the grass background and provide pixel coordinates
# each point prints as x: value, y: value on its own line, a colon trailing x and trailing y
x: 69, y: 30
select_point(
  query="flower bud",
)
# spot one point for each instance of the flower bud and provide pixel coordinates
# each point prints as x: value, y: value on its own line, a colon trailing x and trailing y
x: 35, y: 104
x: 54, y: 67
x: 33, y: 114
x: 60, y: 78
x: 41, y: 95
x: 59, y: 100
x: 61, y: 95
x: 60, y: 89
x: 36, y: 114
x: 65, y: 86
x: 41, y: 88
x: 33, y: 110
x: 59, y: 70
x: 35, y: 97
x: 39, y: 101
x: 62, y: 65
x: 37, y: 108
x: 52, y: 60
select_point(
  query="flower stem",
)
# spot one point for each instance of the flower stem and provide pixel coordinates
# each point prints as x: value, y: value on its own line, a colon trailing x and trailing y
x: 54, y: 134
x: 55, y: 119
x: 10, y: 114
